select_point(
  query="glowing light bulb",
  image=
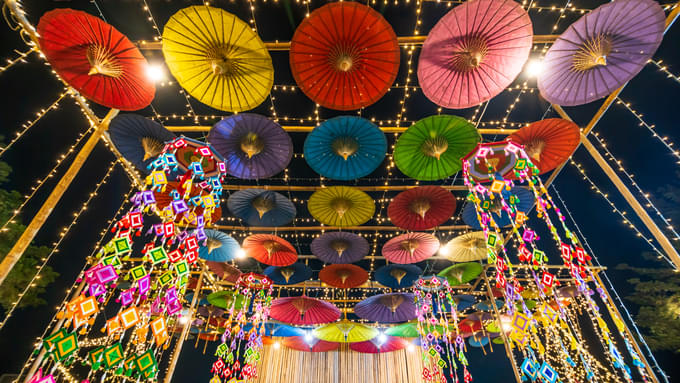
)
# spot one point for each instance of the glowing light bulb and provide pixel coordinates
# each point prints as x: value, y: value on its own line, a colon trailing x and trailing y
x: 240, y: 253
x: 155, y: 72
x: 444, y: 249
x: 534, y: 68
x: 411, y: 348
x: 309, y: 338
x: 382, y: 338
x: 277, y: 345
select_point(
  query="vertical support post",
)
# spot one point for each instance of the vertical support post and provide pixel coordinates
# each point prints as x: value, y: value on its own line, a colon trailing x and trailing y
x: 506, y: 341
x: 185, y: 329
x: 39, y: 219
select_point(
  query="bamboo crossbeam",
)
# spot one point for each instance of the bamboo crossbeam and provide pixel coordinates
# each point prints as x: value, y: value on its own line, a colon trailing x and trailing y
x: 309, y: 128
x: 328, y: 228
x: 277, y: 46
x: 315, y: 188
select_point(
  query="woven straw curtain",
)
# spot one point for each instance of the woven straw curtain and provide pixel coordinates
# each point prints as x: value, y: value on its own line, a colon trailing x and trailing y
x: 342, y: 366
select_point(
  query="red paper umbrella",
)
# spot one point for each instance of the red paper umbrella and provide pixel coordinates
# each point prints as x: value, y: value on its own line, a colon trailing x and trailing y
x: 469, y: 325
x: 343, y: 276
x: 474, y: 52
x: 270, y: 249
x: 344, y: 56
x: 410, y: 248
x: 422, y: 208
x: 163, y: 200
x: 381, y: 343
x: 548, y: 142
x: 311, y: 344
x: 96, y: 59
x: 224, y: 271
x: 303, y: 311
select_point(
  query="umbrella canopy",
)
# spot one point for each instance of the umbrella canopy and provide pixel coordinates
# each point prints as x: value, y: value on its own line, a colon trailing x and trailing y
x: 405, y: 330
x: 210, y: 311
x: 189, y: 153
x: 343, y: 276
x: 345, y: 332
x: 387, y: 308
x: 163, y: 200
x: 339, y: 247
x: 253, y: 145
x: 227, y: 299
x: 488, y: 305
x: 601, y: 51
x: 258, y: 207
x: 224, y: 271
x: 139, y: 139
x: 217, y: 58
x: 500, y: 216
x: 345, y: 148
x: 310, y: 344
x: 341, y: 206
x: 218, y: 247
x: 303, y: 311
x: 463, y: 301
x: 431, y: 148
x: 567, y: 292
x: 278, y: 329
x: 95, y: 59
x: 468, y: 247
x: 498, y: 161
x: 474, y: 52
x: 461, y: 273
x: 549, y: 142
x: 398, y: 276
x: 422, y: 208
x: 410, y: 248
x: 344, y: 56
x: 478, y: 341
x: 270, y: 249
x: 288, y: 275
x: 380, y: 344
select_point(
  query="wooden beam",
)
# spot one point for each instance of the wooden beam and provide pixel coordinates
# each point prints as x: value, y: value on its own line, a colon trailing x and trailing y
x: 327, y: 228
x: 315, y: 188
x: 309, y: 128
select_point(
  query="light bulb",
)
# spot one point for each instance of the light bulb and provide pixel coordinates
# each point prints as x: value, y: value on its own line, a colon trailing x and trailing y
x: 240, y: 253
x: 382, y: 338
x: 309, y: 338
x: 534, y: 68
x: 277, y: 345
x: 155, y: 72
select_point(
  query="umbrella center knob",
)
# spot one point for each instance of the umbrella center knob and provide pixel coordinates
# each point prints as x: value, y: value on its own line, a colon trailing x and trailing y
x: 302, y: 305
x: 287, y: 272
x: 344, y: 63
x: 152, y: 147
x: 103, y: 62
x: 435, y: 147
x: 263, y: 205
x: 252, y: 144
x: 592, y: 53
x: 398, y: 274
x: 343, y: 274
x: 420, y: 206
x: 392, y: 302
x: 339, y: 246
x: 271, y: 247
x: 341, y: 206
x: 410, y: 245
x: 345, y: 146
x: 469, y: 55
x: 220, y: 63
x: 534, y: 148
x: 213, y: 244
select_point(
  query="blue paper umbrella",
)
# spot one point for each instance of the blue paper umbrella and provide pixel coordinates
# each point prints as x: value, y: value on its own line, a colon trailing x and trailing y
x: 345, y: 148
x: 487, y: 306
x: 398, y: 276
x: 259, y: 207
x: 524, y: 200
x: 288, y: 275
x: 218, y: 247
x: 478, y: 342
x: 278, y: 329
x: 253, y: 146
x: 140, y: 140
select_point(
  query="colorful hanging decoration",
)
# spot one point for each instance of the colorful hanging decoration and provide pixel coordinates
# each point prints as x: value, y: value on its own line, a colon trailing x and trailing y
x: 254, y: 146
x: 288, y: 275
x: 258, y: 207
x: 518, y: 197
x: 217, y: 58
x: 138, y: 139
x: 95, y: 59
x: 387, y: 308
x: 397, y: 276
x: 422, y: 208
x: 304, y: 310
x: 431, y: 148
x: 339, y: 247
x: 345, y: 148
x: 165, y: 200
x: 343, y: 276
x: 270, y: 250
x: 549, y: 142
x: 344, y: 56
x: 188, y: 159
x: 498, y: 160
x: 410, y: 248
x: 341, y: 206
x: 474, y: 52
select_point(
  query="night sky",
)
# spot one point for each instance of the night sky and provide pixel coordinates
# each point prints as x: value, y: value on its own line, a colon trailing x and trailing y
x: 30, y: 86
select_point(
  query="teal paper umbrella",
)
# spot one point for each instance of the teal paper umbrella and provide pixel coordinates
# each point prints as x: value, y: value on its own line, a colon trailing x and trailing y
x: 218, y: 247
x: 138, y: 139
x: 258, y: 207
x: 345, y: 148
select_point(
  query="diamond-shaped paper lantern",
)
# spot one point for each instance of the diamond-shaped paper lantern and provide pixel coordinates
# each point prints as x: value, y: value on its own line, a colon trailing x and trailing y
x: 192, y: 256
x: 40, y: 378
x: 129, y: 317
x: 88, y: 307
x: 520, y: 337
x: 113, y: 355
x: 520, y: 322
x: 158, y: 326
x: 175, y: 256
x: 112, y: 260
x: 112, y: 325
x: 548, y: 373
x: 50, y: 341
x: 549, y: 313
x: 179, y: 206
x: 208, y: 201
x: 138, y: 272
x: 125, y: 297
x: 66, y: 346
x: 146, y: 361
x: 122, y: 245
x: 530, y: 368
x: 106, y: 274
x: 129, y: 365
x: 497, y: 186
x: 191, y: 243
x: 96, y: 357
x: 158, y: 255
x: 144, y: 284
x: 166, y: 278
x: 182, y: 268
x: 521, y: 164
x: 548, y: 279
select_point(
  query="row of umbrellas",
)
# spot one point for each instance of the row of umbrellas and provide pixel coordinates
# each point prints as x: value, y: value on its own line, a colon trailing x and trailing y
x: 345, y: 55
x: 346, y: 147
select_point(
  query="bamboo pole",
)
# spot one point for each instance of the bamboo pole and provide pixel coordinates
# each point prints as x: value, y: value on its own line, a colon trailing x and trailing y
x: 309, y: 128
x: 185, y: 330
x: 39, y: 219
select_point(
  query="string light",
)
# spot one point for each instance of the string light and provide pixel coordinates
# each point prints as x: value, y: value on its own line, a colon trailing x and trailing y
x: 20, y: 58
x: 659, y: 64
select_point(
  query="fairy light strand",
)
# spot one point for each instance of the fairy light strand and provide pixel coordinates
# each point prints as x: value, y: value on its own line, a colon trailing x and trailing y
x: 664, y: 68
x: 21, y: 58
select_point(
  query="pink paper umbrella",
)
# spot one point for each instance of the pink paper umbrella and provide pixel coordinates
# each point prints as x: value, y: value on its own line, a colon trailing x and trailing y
x: 384, y: 343
x: 410, y: 248
x: 303, y: 310
x: 311, y: 344
x: 474, y: 52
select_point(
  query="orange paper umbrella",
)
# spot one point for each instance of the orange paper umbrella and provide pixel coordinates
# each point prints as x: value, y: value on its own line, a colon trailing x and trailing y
x: 410, y: 248
x: 96, y: 59
x: 548, y: 142
x: 422, y: 208
x: 344, y: 56
x: 343, y: 276
x: 270, y: 249
x: 163, y: 200
x: 309, y: 343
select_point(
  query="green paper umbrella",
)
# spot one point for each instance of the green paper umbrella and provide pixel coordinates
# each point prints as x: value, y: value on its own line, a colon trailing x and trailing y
x: 431, y: 148
x: 461, y: 273
x: 410, y: 329
x: 225, y: 299
x: 498, y: 340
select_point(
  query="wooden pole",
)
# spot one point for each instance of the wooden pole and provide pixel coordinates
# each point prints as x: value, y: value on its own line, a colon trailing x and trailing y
x: 39, y: 219
x: 185, y: 329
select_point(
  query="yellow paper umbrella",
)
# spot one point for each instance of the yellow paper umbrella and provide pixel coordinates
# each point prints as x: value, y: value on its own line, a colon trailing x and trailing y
x: 468, y: 247
x: 341, y: 206
x: 217, y: 58
x: 345, y: 332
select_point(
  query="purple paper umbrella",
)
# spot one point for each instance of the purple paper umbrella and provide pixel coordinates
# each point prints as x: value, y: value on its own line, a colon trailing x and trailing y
x: 210, y: 311
x: 387, y: 308
x: 339, y: 247
x: 601, y: 51
x: 253, y: 146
